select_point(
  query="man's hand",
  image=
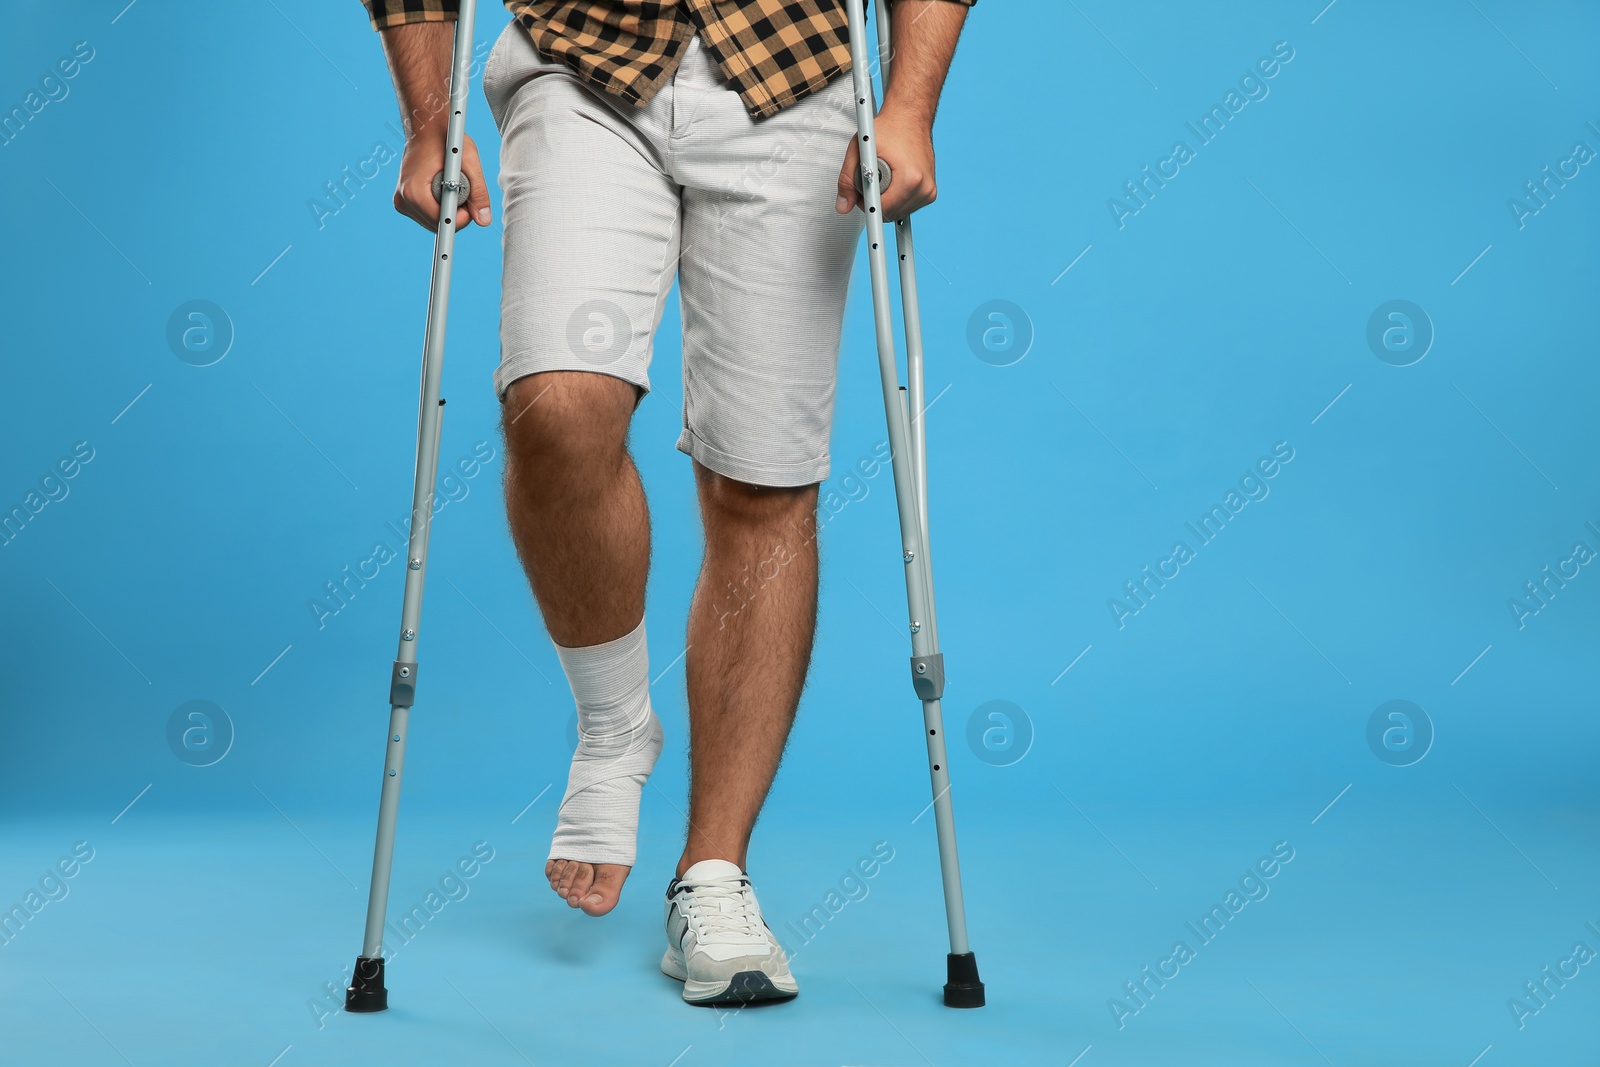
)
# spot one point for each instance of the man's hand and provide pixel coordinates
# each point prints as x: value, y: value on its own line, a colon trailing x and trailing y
x: 906, y: 144
x: 924, y: 36
x: 419, y: 56
x: 424, y: 158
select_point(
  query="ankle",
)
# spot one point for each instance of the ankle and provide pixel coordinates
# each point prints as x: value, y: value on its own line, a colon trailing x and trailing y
x: 691, y: 857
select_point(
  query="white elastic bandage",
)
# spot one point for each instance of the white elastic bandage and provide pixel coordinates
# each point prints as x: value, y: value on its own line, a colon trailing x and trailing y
x: 619, y: 738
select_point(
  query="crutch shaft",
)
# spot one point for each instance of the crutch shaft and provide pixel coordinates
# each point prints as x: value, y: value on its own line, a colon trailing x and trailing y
x: 903, y: 410
x: 367, y: 991
x: 383, y: 849
x: 912, y: 314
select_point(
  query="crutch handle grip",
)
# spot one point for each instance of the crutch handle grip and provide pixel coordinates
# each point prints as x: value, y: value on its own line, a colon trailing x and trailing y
x: 885, y: 176
x: 462, y: 187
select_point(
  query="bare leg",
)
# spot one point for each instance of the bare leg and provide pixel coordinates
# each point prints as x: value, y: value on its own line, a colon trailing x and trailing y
x: 751, y: 626
x: 578, y: 517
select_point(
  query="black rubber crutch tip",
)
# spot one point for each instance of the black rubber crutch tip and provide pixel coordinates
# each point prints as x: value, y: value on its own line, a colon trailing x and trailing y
x: 366, y: 992
x: 963, y: 990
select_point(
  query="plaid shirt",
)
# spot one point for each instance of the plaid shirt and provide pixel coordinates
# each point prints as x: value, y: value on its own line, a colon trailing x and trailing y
x: 773, y: 52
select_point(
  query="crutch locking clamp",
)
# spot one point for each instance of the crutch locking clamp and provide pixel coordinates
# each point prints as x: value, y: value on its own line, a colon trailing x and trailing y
x: 927, y: 676
x: 403, y: 684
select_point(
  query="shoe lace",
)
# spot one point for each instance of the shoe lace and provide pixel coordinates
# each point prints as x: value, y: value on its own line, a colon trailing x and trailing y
x: 724, y: 912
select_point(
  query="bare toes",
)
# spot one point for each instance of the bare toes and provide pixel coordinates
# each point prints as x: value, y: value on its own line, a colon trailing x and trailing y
x: 605, y: 889
x: 569, y: 871
x: 578, y: 887
x: 593, y: 887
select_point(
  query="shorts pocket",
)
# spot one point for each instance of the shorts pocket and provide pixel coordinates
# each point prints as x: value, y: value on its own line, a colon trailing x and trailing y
x: 491, y: 69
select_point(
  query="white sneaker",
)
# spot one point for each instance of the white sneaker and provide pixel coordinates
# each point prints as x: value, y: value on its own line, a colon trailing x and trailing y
x: 718, y: 945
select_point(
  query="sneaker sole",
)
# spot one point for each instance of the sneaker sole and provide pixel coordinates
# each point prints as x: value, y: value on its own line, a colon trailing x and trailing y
x: 745, y: 987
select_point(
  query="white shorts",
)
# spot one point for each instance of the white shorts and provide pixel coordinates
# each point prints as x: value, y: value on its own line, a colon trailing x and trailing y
x: 603, y: 204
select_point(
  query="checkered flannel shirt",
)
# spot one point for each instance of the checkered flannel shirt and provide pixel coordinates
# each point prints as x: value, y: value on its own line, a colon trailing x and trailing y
x: 773, y: 52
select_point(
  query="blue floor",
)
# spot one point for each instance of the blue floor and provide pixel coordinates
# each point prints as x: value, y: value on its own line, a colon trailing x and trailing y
x: 1395, y: 934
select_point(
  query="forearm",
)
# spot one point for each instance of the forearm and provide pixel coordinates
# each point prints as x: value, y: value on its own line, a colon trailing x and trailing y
x: 924, y: 36
x: 419, y: 55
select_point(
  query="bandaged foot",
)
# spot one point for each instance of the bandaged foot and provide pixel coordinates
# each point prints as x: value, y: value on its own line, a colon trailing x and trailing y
x: 619, y: 738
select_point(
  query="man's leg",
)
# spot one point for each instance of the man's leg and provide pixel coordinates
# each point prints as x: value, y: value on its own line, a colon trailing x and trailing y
x: 763, y: 280
x: 751, y: 625
x: 762, y: 283
x: 578, y: 517
x: 591, y: 239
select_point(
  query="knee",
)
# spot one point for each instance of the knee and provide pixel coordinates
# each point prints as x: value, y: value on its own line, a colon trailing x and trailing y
x: 566, y: 425
x: 727, y: 502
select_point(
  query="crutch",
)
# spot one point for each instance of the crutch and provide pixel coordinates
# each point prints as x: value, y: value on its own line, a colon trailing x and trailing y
x: 367, y: 991
x: 909, y: 462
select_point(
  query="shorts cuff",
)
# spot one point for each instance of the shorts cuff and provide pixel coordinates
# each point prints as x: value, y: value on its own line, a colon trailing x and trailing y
x: 523, y: 364
x: 787, y: 475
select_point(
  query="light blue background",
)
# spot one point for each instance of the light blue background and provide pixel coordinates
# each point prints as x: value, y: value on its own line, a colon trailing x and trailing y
x: 1228, y: 314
